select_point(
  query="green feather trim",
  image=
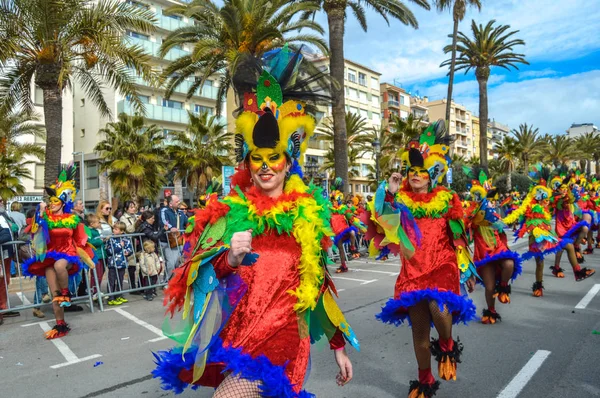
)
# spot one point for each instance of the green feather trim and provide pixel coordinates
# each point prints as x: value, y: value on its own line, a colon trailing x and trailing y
x: 457, y: 228
x: 70, y: 222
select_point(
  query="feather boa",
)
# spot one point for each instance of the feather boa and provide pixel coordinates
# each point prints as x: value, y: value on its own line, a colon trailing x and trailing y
x: 69, y: 221
x: 574, y: 230
x: 536, y: 254
x: 54, y: 256
x: 395, y: 311
x: 432, y: 204
x: 345, y: 233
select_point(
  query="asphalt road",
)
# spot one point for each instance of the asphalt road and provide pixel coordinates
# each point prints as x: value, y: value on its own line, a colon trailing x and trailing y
x: 114, y: 348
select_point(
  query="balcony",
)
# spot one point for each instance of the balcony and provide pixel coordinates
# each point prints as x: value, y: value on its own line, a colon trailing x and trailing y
x: 460, y: 131
x: 161, y: 113
x: 394, y: 103
x: 207, y: 91
x: 153, y: 48
x: 169, y: 23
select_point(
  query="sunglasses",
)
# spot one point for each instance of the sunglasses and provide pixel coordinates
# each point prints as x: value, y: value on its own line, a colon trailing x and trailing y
x: 108, y: 208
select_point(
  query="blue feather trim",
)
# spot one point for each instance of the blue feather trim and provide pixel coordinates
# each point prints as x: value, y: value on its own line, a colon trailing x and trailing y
x: 273, y: 379
x: 55, y: 256
x: 574, y: 229
x: 505, y: 255
x: 296, y: 169
x: 341, y: 235
x: 395, y: 311
x: 168, y: 366
x: 561, y: 245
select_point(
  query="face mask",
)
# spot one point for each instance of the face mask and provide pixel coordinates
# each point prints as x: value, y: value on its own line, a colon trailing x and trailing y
x: 265, y: 159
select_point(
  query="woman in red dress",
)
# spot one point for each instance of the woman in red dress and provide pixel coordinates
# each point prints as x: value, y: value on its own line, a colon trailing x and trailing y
x: 254, y: 289
x: 496, y: 263
x: 60, y: 246
x: 428, y: 289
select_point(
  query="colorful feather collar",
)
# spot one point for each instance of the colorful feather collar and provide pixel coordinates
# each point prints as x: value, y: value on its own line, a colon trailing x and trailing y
x: 302, y: 212
x: 431, y: 204
x: 69, y: 221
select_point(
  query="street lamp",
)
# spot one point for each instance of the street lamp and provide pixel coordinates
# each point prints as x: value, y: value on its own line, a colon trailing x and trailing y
x: 377, y: 148
x: 81, y: 176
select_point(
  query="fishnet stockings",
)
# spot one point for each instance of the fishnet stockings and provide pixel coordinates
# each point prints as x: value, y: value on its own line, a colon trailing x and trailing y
x: 421, y: 316
x: 236, y: 387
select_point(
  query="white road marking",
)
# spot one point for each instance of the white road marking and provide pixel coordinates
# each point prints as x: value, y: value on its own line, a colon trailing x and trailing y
x: 62, y: 347
x: 522, y: 378
x: 363, y: 281
x: 374, y: 271
x: 588, y: 297
x: 23, y: 298
x: 142, y: 323
x: 340, y: 290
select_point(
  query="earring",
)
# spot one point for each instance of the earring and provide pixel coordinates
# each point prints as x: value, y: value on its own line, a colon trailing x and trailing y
x: 287, y: 174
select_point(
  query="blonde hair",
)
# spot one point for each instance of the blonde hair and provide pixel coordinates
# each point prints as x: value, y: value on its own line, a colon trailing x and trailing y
x: 120, y: 225
x: 103, y: 203
x: 149, y: 244
x: 16, y: 206
x: 90, y: 218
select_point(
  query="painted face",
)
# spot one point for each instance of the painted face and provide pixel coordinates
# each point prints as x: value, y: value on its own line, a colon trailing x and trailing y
x: 268, y: 169
x: 55, y: 204
x: 540, y: 195
x: 418, y: 177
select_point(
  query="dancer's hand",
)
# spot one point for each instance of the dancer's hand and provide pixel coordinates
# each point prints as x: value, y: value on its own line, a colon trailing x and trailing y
x: 345, y: 375
x: 42, y: 207
x: 240, y: 245
x: 470, y: 284
x: 394, y: 182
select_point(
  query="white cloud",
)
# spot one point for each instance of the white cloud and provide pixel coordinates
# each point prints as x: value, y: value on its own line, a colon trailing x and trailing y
x: 551, y: 104
x: 537, y: 73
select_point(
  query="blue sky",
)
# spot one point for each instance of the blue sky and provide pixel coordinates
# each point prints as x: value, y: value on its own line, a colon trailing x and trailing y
x: 560, y: 87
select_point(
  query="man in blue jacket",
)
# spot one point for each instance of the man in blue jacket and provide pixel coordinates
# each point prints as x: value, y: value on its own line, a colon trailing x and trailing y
x: 175, y: 221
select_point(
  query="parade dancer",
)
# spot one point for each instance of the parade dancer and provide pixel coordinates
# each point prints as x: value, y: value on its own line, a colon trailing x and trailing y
x: 342, y: 223
x: 496, y: 264
x: 60, y: 246
x: 254, y: 290
x: 428, y: 289
x: 585, y: 210
x: 569, y: 230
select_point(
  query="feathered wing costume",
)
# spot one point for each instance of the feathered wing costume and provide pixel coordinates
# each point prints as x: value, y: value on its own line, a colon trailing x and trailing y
x: 257, y: 321
x: 424, y: 227
x: 57, y: 237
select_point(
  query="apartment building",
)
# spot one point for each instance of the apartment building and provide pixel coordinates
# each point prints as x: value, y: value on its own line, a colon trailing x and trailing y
x: 170, y: 115
x: 419, y: 109
x: 363, y: 96
x: 477, y: 135
x: 578, y: 129
x: 496, y: 133
x: 460, y: 126
x: 395, y: 101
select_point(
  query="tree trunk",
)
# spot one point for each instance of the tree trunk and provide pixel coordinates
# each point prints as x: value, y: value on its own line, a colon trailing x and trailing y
x: 597, y: 160
x: 483, y: 75
x: 103, y: 184
x: 336, y: 19
x: 509, y: 181
x: 451, y: 79
x: 178, y: 187
x: 47, y: 79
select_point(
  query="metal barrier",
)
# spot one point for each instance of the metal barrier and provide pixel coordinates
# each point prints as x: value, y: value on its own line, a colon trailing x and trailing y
x: 25, y: 284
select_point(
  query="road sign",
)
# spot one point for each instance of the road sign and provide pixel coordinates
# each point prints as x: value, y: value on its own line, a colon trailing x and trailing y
x: 227, y: 172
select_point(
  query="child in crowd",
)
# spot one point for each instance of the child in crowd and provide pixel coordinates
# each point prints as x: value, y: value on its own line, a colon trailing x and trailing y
x: 151, y: 267
x: 95, y: 240
x: 117, y: 250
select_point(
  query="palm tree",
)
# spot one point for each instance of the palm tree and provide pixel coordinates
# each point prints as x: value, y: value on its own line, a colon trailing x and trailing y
x: 507, y: 156
x: 356, y: 128
x: 354, y: 154
x: 336, y: 11
x: 587, y: 146
x: 207, y: 138
x: 402, y: 131
x: 134, y: 156
x: 57, y: 42
x: 224, y: 37
x: 558, y: 150
x: 528, y: 144
x: 459, y: 8
x: 16, y: 156
x: 490, y: 46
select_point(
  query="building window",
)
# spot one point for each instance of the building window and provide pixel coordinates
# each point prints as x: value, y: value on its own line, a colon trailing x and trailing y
x: 172, y: 104
x: 364, y: 113
x: 143, y: 98
x: 353, y: 94
x: 364, y: 170
x: 374, y: 82
x: 137, y: 4
x: 137, y: 35
x: 376, y: 118
x: 38, y: 96
x: 40, y: 140
x: 362, y: 79
x: 366, y: 188
x: 39, y: 176
x: 375, y: 101
x: 174, y: 16
x: 352, y: 75
x: 91, y: 175
x: 363, y: 97
x: 402, y: 100
x: 323, y: 68
x: 352, y: 109
x: 203, y: 109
